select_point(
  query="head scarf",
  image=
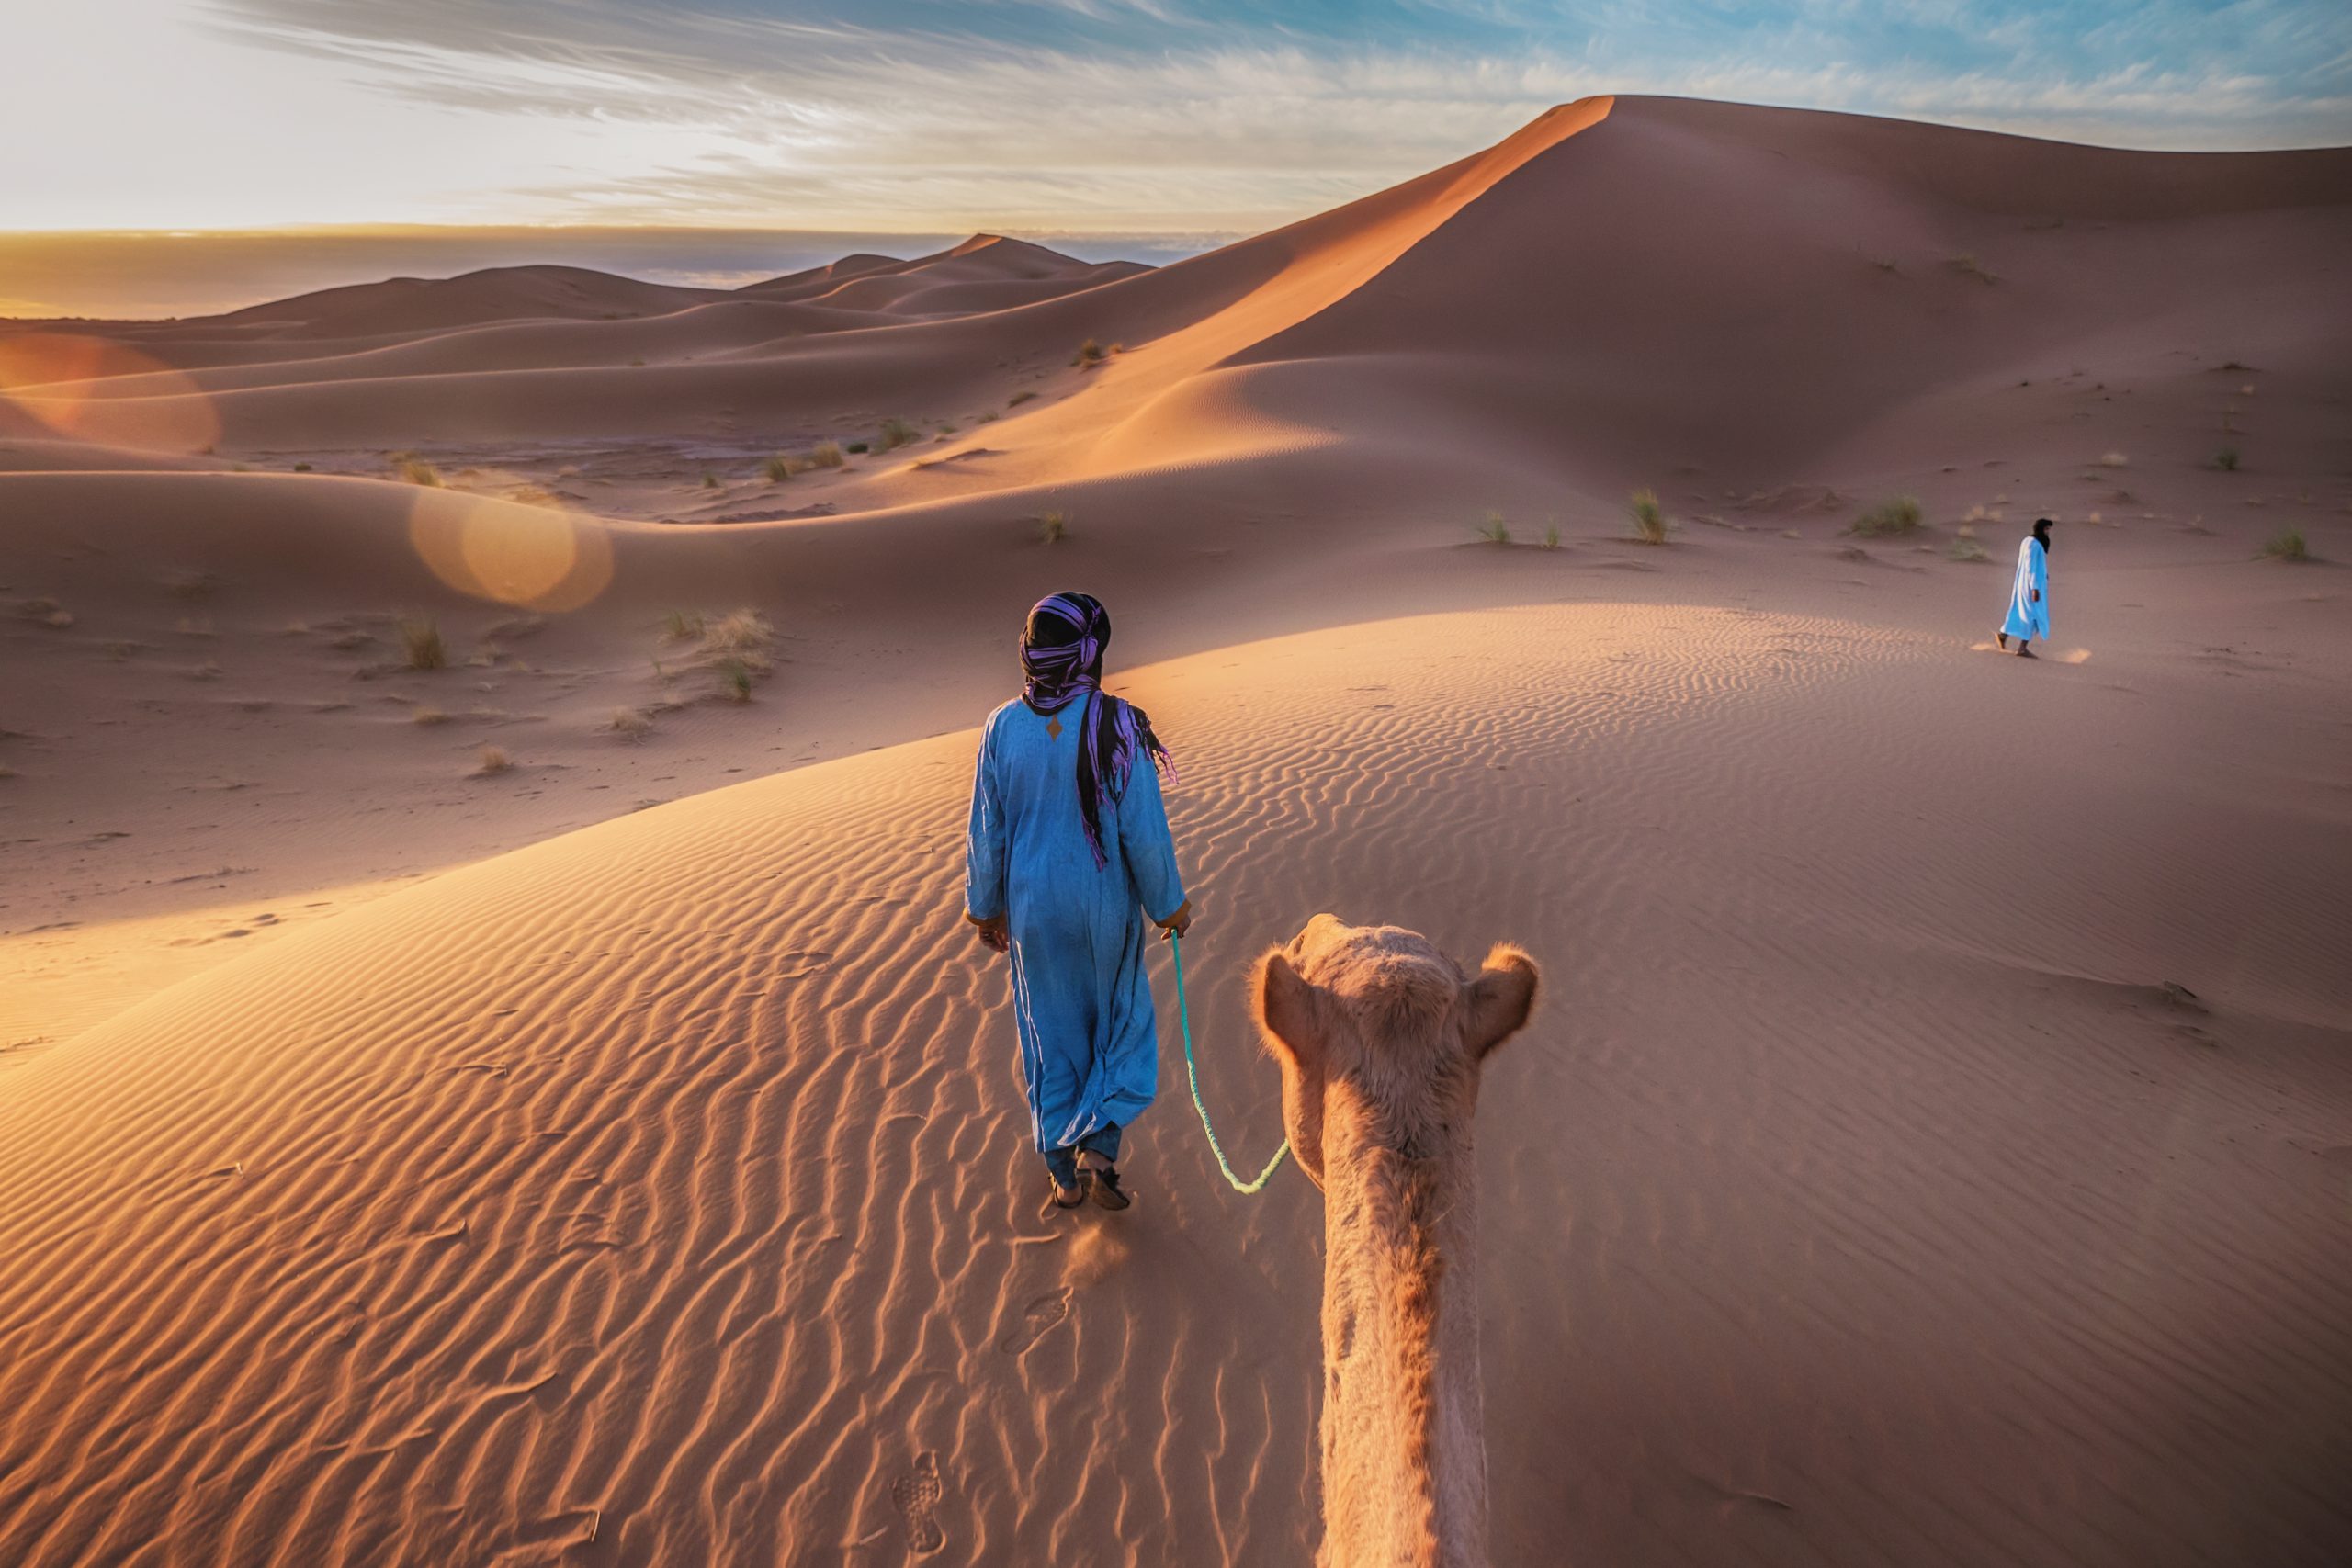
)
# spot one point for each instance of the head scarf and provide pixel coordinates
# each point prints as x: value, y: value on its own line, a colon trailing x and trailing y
x: 1061, y: 656
x: 2042, y: 532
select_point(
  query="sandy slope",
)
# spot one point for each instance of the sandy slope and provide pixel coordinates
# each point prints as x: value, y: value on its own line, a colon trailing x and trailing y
x: 1857, y: 1199
x: 1861, y: 1198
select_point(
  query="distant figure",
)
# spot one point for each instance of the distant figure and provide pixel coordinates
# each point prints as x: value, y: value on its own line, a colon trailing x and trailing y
x: 1068, y: 851
x: 2029, y: 595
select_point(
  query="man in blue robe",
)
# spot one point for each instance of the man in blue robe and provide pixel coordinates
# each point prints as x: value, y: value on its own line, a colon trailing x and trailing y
x: 2029, y: 593
x: 1068, y: 853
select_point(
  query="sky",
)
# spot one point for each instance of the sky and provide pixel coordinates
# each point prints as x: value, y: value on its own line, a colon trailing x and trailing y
x: 1167, y: 124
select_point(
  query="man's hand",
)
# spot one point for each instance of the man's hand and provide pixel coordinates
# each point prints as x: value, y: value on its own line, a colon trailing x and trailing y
x: 1181, y: 922
x: 995, y: 935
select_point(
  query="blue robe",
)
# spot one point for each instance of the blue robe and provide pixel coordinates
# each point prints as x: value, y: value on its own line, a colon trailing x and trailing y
x: 1090, y: 1042
x: 2029, y: 615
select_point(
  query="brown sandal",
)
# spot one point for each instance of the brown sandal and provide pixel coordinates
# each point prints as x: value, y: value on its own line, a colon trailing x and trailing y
x: 1055, y: 1188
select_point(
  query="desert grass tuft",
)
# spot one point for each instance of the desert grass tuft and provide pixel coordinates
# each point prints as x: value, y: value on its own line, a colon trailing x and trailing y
x: 709, y: 480
x: 1090, y: 354
x: 1650, y: 522
x: 426, y: 715
x: 1551, y: 535
x: 828, y: 454
x: 1053, y: 528
x: 735, y: 677
x: 1965, y: 545
x: 739, y: 631
x: 2226, y: 460
x: 415, y: 470
x: 1495, y: 530
x: 679, y: 625
x: 493, y: 760
x: 630, y: 724
x: 1899, y: 516
x: 2287, y: 544
x: 421, y: 645
x: 898, y: 433
x: 780, y: 468
x: 857, y: 448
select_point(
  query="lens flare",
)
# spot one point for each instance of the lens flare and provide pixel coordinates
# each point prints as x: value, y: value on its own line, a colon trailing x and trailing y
x: 534, y: 556
x: 89, y: 389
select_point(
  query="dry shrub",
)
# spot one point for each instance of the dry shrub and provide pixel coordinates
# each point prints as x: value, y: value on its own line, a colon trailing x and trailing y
x: 425, y: 714
x: 735, y: 674
x: 828, y: 455
x: 421, y: 645
x: 1651, y: 524
x: 740, y: 631
x: 2287, y: 544
x: 1053, y: 528
x: 493, y: 760
x: 733, y: 648
x: 407, y: 466
x: 897, y: 433
x: 1899, y: 516
x: 630, y: 724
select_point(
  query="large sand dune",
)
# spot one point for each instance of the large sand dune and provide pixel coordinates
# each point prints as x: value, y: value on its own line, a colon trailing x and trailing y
x: 1846, y: 1205
x: 582, y: 1161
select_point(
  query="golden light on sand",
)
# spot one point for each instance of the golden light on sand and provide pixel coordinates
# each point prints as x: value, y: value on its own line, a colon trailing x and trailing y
x: 534, y: 556
x: 90, y: 390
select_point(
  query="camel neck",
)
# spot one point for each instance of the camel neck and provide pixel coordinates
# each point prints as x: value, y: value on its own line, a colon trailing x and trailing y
x: 1404, y: 1447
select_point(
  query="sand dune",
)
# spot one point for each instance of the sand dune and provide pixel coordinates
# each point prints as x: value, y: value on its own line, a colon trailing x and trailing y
x: 1849, y: 1194
x: 584, y: 1160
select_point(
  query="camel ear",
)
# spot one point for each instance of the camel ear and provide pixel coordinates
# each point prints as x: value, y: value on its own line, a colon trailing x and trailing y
x: 1286, y: 1011
x: 1496, y: 1004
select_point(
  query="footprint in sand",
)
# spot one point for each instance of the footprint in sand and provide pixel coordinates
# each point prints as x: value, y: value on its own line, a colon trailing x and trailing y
x: 916, y: 1495
x: 1035, y: 1319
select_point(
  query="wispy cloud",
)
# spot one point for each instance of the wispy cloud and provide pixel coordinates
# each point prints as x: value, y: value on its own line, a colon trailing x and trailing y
x: 1130, y: 111
x: 1177, y: 115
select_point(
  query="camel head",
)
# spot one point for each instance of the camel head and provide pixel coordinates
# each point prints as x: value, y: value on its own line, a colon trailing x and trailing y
x: 1380, y: 1036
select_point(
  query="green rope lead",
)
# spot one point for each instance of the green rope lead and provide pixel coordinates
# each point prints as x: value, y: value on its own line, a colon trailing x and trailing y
x: 1191, y: 1075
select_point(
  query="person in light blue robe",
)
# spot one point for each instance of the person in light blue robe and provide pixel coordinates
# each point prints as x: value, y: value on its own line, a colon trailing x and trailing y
x: 2030, y: 595
x: 1066, y: 856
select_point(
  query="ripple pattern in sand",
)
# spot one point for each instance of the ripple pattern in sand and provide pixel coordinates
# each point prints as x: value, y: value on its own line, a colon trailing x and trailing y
x: 660, y: 1194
